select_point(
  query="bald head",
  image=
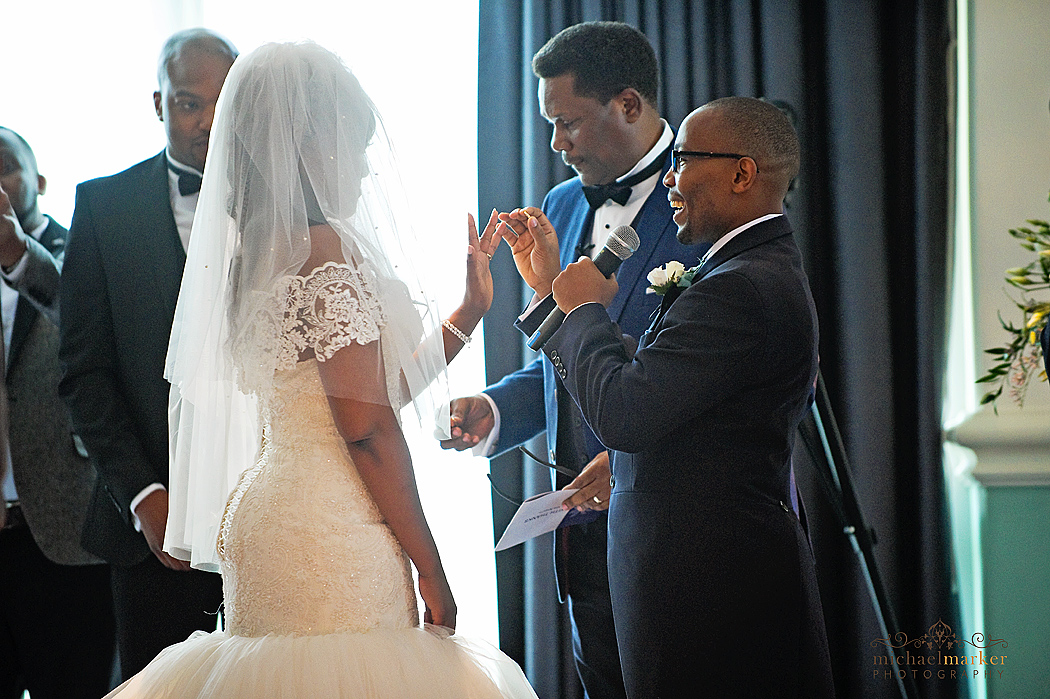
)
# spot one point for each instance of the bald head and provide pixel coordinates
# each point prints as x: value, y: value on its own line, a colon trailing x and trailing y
x: 764, y: 132
x: 735, y: 159
x: 191, y: 71
x: 198, y: 40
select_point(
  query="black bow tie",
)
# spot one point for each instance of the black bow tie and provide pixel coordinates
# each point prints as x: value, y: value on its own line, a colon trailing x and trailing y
x: 620, y: 192
x: 598, y: 194
x: 189, y: 182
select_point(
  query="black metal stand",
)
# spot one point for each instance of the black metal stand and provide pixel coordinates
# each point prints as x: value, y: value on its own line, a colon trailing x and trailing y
x: 822, y: 439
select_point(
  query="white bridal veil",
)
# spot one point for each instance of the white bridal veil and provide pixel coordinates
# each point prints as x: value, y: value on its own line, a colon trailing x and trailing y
x: 295, y: 142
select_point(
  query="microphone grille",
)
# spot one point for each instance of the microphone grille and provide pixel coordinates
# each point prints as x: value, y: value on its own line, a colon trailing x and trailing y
x: 623, y: 242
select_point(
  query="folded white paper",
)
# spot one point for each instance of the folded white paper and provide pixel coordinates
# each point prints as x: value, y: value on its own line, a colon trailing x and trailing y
x: 538, y: 515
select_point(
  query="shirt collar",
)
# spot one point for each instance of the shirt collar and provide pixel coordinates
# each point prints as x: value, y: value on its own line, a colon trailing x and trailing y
x: 181, y: 166
x: 39, y: 230
x: 721, y: 242
x: 655, y: 152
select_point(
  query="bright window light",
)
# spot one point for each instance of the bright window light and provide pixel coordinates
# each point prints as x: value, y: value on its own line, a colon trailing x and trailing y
x: 79, y: 88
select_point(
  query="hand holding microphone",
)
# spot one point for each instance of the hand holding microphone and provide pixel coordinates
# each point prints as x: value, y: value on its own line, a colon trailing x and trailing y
x: 578, y: 284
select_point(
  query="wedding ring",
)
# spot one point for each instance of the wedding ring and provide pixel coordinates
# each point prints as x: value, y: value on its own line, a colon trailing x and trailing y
x: 597, y: 500
x: 489, y: 255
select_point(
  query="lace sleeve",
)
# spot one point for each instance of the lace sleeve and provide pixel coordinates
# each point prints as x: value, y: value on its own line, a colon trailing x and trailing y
x: 332, y: 307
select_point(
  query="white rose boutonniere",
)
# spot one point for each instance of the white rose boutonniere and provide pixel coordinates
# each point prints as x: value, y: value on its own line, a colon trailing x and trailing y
x: 670, y: 275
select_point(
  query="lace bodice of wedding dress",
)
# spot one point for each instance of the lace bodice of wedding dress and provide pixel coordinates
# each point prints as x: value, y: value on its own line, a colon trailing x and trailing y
x: 319, y: 596
x: 305, y: 550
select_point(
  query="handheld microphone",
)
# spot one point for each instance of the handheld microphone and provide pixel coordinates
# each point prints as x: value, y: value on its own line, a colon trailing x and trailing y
x: 620, y: 245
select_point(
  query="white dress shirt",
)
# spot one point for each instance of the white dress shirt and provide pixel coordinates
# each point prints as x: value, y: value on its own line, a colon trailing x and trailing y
x: 183, y: 207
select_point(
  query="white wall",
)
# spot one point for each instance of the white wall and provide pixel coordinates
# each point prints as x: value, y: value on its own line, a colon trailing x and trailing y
x: 1011, y: 161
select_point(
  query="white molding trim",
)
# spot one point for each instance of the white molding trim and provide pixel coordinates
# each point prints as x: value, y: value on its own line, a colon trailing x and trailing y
x: 1013, y: 449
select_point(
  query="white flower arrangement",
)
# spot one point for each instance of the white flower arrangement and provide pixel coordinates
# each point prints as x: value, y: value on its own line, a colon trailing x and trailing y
x: 674, y: 273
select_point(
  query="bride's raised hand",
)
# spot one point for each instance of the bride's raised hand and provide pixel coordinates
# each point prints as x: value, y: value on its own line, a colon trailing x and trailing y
x: 478, y: 294
x: 477, y: 297
x: 437, y: 598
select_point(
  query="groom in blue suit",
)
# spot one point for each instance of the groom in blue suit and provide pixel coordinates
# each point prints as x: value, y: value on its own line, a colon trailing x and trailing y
x: 597, y: 88
x: 708, y: 566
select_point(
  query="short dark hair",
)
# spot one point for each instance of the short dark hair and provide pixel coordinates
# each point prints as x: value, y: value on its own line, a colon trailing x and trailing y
x: 606, y: 58
x: 30, y: 155
x: 199, y: 38
x: 762, y: 130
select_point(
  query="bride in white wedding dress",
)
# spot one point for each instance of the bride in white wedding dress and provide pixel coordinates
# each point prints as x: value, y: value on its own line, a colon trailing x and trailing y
x: 302, y: 329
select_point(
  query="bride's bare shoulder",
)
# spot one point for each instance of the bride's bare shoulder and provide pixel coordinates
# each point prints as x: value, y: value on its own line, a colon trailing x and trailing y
x: 325, y: 247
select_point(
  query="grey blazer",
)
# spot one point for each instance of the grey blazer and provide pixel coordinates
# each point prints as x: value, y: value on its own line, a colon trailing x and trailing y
x: 54, y: 481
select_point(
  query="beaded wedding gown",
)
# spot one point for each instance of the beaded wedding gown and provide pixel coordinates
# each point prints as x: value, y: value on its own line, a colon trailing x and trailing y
x: 319, y: 598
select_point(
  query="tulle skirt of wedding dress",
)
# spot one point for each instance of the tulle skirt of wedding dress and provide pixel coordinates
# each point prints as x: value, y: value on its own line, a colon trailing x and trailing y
x: 382, y: 663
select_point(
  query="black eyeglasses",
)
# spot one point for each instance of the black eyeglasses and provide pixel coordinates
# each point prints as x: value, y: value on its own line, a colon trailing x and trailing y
x: 677, y: 156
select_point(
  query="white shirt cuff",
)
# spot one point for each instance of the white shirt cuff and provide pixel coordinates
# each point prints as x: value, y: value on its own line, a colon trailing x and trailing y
x: 139, y: 498
x: 536, y: 299
x: 486, y: 447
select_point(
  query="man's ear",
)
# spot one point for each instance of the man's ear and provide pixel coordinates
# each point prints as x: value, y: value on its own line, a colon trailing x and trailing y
x: 633, y: 104
x: 157, y: 105
x: 41, y: 184
x: 745, y: 175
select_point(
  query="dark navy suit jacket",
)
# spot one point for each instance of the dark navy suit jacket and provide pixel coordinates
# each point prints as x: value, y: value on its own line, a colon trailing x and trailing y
x: 707, y: 561
x: 120, y: 284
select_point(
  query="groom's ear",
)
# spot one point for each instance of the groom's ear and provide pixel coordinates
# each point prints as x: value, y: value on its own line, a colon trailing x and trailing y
x: 631, y: 102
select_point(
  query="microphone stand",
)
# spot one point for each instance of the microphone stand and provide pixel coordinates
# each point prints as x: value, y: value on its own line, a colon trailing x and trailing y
x: 822, y: 439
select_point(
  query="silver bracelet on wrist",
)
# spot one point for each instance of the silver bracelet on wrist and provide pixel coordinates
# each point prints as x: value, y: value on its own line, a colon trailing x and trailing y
x: 463, y: 337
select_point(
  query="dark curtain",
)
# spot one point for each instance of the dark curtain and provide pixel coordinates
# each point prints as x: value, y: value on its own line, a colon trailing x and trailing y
x: 868, y: 82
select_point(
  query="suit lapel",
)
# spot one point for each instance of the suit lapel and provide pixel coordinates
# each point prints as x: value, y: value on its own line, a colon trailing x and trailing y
x: 752, y: 237
x: 747, y: 239
x: 153, y: 241
x: 654, y: 220
x: 580, y: 220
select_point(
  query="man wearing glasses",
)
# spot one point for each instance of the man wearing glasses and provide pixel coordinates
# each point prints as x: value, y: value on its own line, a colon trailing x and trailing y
x: 707, y: 561
x: 597, y: 88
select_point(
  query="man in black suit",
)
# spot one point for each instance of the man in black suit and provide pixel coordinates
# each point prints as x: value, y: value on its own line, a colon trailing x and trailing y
x: 707, y: 562
x: 119, y: 288
x: 56, y: 633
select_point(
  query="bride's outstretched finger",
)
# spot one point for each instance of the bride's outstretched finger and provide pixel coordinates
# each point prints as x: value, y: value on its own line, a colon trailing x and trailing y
x: 478, y: 292
x: 489, y: 240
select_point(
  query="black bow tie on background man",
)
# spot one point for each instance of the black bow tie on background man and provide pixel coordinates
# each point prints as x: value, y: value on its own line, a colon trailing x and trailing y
x: 620, y: 192
x: 189, y: 182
